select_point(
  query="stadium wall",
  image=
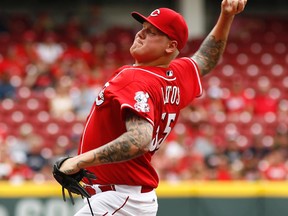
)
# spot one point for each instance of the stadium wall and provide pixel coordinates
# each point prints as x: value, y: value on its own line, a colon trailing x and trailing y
x: 183, y: 198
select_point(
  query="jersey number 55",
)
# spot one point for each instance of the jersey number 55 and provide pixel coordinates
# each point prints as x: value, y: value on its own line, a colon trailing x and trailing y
x: 161, y: 136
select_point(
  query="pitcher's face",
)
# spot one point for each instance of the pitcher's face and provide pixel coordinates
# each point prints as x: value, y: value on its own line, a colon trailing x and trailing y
x: 149, y: 44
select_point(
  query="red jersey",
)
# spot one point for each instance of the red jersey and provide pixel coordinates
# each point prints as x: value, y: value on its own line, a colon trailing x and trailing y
x: 154, y: 93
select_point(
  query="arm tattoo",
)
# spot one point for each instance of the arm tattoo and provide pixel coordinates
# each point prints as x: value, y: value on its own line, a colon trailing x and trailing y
x: 209, y: 54
x: 129, y: 145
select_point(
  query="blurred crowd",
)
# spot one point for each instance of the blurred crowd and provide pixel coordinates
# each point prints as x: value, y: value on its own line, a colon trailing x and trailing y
x: 51, y: 72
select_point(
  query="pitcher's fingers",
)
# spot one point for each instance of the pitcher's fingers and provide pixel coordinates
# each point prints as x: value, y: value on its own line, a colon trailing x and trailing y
x: 241, y: 5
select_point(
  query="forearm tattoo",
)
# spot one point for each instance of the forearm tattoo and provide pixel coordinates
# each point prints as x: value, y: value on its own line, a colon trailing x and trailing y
x: 209, y: 54
x: 131, y: 144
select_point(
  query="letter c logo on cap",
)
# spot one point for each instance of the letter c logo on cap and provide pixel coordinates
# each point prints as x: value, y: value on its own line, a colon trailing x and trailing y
x: 155, y: 12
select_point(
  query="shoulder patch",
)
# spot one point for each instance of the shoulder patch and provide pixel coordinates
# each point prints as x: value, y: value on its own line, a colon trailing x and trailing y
x: 141, y: 99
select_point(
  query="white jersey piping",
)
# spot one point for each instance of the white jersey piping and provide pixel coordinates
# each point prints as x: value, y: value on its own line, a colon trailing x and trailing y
x: 84, y: 132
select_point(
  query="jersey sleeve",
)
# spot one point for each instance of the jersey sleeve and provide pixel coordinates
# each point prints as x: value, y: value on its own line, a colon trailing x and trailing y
x: 188, y: 76
x: 134, y: 95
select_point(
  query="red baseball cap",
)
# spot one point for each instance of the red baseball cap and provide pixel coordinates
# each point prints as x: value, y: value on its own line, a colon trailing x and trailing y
x: 169, y: 22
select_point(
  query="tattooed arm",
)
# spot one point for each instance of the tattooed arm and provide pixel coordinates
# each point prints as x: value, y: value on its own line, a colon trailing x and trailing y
x: 213, y: 46
x: 129, y: 145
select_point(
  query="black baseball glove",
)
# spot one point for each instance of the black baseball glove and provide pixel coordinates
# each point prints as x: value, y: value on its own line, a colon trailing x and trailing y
x: 72, y: 182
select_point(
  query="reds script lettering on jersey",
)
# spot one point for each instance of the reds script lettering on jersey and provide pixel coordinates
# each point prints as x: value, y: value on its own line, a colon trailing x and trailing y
x: 157, y: 94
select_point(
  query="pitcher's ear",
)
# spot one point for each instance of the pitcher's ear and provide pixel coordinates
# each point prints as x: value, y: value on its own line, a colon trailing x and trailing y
x: 172, y: 46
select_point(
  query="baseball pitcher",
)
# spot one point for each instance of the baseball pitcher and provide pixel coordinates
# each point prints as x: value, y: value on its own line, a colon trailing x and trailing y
x: 136, y: 110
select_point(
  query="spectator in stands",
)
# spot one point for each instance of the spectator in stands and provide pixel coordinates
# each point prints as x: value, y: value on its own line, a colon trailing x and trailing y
x: 5, y: 160
x: 174, y: 151
x: 204, y: 142
x: 13, y: 159
x: 195, y: 113
x: 220, y: 168
x: 35, y: 159
x: 236, y: 102
x: 49, y: 50
x: 281, y: 137
x: 250, y: 169
x: 24, y: 52
x: 274, y: 166
x: 282, y: 113
x: 10, y: 63
x: 214, y: 103
x: 39, y: 76
x: 7, y: 90
x: 61, y: 103
x: 258, y: 149
x: 20, y: 171
x: 264, y: 102
x: 191, y: 166
x: 82, y: 98
x: 74, y: 65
